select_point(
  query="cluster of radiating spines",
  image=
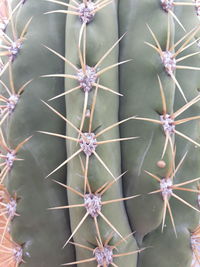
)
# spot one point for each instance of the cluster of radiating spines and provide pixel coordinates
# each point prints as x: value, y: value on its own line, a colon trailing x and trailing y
x: 93, y: 203
x: 8, y: 206
x: 169, y: 55
x: 168, y: 6
x: 8, y: 102
x: 87, y: 77
x: 103, y: 253
x: 195, y: 244
x: 8, y: 156
x: 10, y: 252
x: 10, y: 97
x: 10, y: 45
x: 85, y: 9
x: 88, y: 141
x: 7, y: 45
x: 169, y: 123
x: 166, y: 186
x: 6, y: 14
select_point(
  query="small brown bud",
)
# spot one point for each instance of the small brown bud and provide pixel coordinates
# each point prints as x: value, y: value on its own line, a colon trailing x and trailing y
x: 161, y: 164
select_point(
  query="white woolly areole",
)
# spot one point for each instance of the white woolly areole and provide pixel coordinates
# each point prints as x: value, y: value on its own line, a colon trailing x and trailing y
x: 87, y: 79
x: 10, y: 157
x: 167, y: 4
x: 14, y: 49
x: 197, y: 7
x: 104, y: 256
x: 18, y: 254
x: 166, y: 187
x: 88, y: 144
x: 168, y: 61
x: 12, y: 102
x: 11, y: 208
x: 86, y: 11
x: 168, y: 123
x: 92, y: 204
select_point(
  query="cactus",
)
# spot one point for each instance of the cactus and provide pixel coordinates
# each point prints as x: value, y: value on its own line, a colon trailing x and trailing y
x: 99, y: 133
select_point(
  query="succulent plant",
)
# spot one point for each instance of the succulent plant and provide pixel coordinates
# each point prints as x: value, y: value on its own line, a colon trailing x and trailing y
x: 100, y: 133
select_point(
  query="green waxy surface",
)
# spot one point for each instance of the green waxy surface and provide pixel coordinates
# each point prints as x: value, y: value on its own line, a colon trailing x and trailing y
x: 41, y: 232
x: 162, y: 255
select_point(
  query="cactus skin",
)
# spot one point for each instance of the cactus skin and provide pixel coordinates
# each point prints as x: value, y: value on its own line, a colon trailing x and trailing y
x: 43, y: 232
